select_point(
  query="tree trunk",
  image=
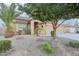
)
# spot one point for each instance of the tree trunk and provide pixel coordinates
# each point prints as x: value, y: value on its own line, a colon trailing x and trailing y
x: 9, y: 32
x: 54, y: 31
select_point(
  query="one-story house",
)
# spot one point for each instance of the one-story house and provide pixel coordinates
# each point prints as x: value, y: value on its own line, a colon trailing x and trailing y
x: 28, y: 26
x: 25, y: 25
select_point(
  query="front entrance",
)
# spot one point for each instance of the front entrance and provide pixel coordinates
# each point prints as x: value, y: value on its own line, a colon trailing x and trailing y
x: 38, y: 28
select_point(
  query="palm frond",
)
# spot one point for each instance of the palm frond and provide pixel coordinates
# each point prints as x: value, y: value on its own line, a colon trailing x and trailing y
x: 7, y: 13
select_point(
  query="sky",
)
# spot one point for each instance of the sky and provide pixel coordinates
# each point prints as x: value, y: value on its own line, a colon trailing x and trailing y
x: 2, y: 25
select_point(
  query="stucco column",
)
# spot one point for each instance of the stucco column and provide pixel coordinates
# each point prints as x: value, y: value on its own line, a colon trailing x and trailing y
x: 32, y: 27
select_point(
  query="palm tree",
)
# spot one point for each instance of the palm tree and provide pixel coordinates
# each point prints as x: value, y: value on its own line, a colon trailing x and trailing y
x: 7, y: 14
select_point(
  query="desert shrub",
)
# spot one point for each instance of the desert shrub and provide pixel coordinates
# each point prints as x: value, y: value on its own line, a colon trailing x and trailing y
x: 74, y: 44
x: 47, y: 48
x: 5, y: 45
x: 52, y: 33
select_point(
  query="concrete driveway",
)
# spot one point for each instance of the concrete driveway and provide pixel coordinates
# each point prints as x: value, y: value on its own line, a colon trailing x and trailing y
x: 72, y: 36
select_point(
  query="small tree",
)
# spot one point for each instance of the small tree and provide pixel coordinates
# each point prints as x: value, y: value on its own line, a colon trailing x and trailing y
x: 51, y: 12
x: 56, y: 13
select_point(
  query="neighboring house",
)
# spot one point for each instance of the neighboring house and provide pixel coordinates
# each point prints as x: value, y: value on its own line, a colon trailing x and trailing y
x: 68, y: 28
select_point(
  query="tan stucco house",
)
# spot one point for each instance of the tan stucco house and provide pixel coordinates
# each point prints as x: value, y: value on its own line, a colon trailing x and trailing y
x: 28, y: 26
x: 25, y: 26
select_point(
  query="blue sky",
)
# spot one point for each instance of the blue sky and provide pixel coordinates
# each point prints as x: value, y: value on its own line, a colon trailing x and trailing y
x: 1, y: 24
x: 72, y: 21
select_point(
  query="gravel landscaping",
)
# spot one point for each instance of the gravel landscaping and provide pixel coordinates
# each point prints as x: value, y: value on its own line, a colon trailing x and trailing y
x: 27, y: 45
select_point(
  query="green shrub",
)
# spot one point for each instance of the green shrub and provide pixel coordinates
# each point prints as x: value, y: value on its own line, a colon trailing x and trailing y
x: 52, y: 33
x: 74, y: 44
x: 47, y: 48
x: 71, y: 44
x: 5, y: 45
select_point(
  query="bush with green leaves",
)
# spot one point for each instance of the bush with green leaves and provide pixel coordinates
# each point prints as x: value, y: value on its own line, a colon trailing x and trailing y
x: 47, y: 48
x: 5, y: 45
x: 74, y: 44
